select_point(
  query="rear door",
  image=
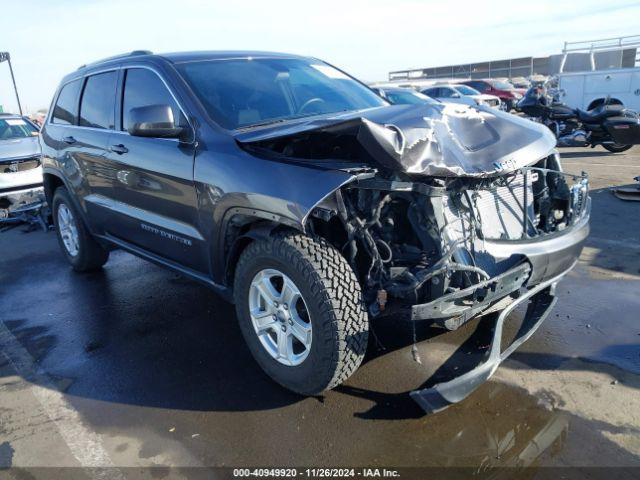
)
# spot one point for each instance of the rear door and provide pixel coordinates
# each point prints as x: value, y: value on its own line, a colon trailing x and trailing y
x: 64, y: 114
x: 155, y: 204
x: 87, y: 145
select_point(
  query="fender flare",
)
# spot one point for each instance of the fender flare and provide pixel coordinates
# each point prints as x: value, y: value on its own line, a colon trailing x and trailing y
x: 56, y: 173
x: 261, y: 225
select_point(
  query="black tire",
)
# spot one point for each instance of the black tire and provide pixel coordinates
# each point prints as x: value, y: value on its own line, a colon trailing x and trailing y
x: 333, y: 298
x: 91, y: 255
x: 615, y: 148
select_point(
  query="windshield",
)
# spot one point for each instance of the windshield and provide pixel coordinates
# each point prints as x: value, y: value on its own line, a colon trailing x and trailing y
x: 246, y: 92
x: 501, y: 85
x: 12, y: 128
x: 464, y: 90
x: 408, y: 98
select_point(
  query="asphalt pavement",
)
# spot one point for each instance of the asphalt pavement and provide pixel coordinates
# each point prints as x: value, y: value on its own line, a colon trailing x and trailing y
x: 135, y: 366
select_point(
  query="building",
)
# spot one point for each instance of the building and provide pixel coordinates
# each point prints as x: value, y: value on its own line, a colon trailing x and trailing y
x: 599, y: 55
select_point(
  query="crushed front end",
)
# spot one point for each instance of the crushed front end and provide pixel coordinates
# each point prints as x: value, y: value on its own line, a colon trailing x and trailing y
x: 21, y: 191
x: 446, y: 250
x: 452, y: 212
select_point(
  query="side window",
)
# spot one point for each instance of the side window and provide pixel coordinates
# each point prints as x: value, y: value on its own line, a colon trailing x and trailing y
x: 65, y: 111
x: 143, y: 87
x: 98, y: 101
x: 445, y: 92
x: 432, y: 92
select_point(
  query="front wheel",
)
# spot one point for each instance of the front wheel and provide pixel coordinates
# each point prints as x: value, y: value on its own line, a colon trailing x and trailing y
x: 616, y: 147
x: 300, y: 310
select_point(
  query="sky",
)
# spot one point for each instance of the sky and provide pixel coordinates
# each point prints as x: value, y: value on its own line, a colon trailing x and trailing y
x: 49, y: 38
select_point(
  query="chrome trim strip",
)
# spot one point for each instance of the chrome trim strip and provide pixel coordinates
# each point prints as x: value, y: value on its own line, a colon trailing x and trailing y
x: 440, y: 396
x: 145, y: 216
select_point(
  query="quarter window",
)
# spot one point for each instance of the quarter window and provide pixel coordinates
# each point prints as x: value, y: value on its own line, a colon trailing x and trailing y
x: 98, y: 100
x: 142, y: 88
x: 65, y: 111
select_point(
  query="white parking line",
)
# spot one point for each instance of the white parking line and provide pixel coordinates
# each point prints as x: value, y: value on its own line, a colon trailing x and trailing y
x: 85, y: 445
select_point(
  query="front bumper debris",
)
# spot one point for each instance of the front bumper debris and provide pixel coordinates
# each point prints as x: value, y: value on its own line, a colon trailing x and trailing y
x: 541, y: 300
x: 464, y: 304
x: 23, y: 205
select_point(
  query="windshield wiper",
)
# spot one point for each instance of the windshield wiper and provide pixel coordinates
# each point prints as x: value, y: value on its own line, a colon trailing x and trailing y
x: 262, y: 124
x: 286, y: 119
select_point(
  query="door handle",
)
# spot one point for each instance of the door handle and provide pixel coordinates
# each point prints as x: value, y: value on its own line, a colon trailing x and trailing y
x: 69, y: 140
x: 119, y: 149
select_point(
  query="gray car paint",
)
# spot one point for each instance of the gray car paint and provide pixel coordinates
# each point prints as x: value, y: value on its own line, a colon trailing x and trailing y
x: 227, y: 180
x: 437, y: 140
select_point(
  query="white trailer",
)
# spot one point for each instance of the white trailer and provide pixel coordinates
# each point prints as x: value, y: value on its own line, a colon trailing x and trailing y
x: 588, y: 89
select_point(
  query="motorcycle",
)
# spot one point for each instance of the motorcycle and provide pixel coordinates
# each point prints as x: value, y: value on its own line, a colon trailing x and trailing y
x: 614, y: 127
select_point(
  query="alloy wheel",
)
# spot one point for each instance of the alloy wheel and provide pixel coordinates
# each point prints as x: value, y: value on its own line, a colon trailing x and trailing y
x: 280, y: 317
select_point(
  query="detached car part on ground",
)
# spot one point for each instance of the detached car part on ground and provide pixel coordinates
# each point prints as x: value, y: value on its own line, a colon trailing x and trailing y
x: 317, y: 218
x: 21, y: 191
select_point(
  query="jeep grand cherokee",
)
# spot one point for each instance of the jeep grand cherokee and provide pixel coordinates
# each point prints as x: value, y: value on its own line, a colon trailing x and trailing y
x: 302, y: 196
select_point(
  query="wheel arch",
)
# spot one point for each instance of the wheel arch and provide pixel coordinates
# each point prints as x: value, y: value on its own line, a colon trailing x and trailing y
x: 51, y: 181
x: 242, y: 226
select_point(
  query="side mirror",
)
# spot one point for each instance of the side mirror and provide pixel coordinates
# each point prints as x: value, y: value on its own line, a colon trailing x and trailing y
x: 455, y: 95
x: 153, y: 121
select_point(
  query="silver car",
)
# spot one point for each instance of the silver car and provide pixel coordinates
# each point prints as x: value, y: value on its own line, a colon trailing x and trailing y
x: 20, y: 167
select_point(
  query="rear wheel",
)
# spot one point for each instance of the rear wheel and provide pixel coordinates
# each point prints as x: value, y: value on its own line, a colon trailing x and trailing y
x: 300, y: 311
x: 616, y: 147
x: 81, y: 249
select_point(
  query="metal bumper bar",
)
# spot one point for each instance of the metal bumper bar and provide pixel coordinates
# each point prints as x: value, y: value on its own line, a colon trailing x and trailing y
x: 541, y: 300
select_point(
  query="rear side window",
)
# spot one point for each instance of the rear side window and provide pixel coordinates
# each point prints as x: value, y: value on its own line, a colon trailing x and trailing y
x: 98, y: 101
x: 65, y: 111
x: 142, y: 88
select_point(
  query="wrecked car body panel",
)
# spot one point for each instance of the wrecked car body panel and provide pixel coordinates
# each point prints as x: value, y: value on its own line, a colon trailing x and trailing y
x: 446, y: 140
x: 540, y: 301
x: 462, y: 209
x: 21, y: 190
x: 439, y: 213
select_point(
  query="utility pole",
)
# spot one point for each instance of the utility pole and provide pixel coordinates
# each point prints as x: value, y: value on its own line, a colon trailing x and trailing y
x: 4, y: 56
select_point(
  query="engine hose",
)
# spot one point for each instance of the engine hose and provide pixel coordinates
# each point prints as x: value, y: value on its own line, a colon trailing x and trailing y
x: 387, y: 248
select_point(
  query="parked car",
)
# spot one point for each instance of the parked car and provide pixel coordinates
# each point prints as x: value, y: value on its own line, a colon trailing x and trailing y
x: 455, y: 93
x: 294, y: 190
x: 20, y: 168
x: 404, y: 96
x: 506, y: 92
x: 521, y: 84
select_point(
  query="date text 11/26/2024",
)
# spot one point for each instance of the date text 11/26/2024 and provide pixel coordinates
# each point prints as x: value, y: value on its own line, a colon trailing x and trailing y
x: 316, y: 473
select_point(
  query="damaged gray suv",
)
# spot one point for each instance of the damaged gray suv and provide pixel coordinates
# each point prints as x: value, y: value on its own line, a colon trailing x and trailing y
x: 299, y: 194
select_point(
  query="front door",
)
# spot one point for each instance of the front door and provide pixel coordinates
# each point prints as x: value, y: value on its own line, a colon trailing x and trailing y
x: 155, y: 202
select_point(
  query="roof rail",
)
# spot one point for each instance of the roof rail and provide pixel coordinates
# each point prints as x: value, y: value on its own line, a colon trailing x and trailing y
x: 116, y: 57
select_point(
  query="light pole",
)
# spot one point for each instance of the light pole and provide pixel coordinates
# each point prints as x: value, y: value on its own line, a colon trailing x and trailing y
x: 4, y: 56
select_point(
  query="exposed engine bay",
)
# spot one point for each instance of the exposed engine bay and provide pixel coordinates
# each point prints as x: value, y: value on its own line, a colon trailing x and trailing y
x: 422, y: 243
x: 425, y: 221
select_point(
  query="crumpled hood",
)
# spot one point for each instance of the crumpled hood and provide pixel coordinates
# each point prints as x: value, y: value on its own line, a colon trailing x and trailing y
x: 19, y: 148
x: 449, y: 140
